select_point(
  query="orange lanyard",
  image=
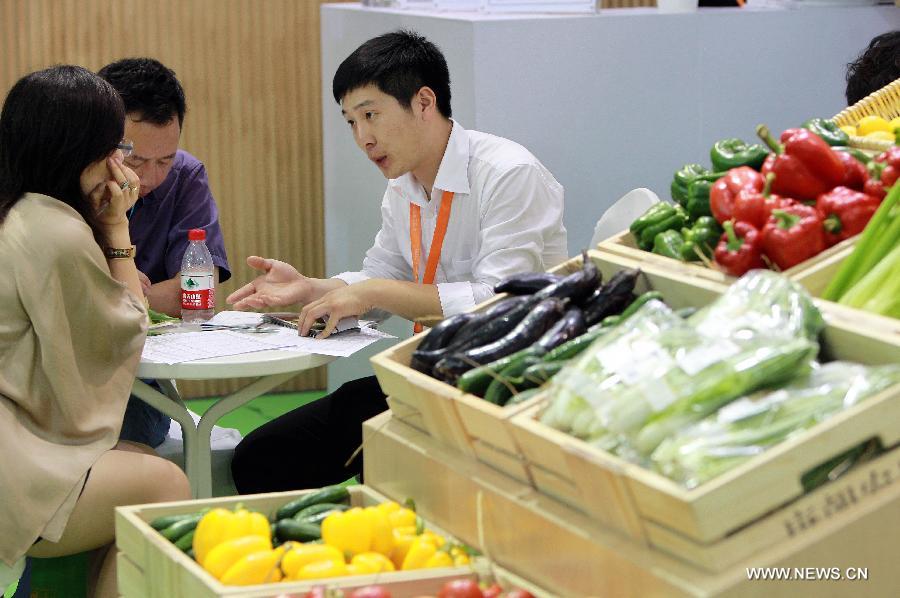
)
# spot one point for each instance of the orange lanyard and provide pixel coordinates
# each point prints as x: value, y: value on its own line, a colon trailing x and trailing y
x: 415, y: 241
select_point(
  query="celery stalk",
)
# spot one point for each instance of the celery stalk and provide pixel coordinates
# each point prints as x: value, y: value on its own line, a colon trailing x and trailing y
x: 874, y: 235
x: 886, y: 298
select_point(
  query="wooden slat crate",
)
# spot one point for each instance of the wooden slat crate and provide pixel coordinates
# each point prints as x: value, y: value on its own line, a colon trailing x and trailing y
x: 633, y: 500
x: 852, y: 522
x: 149, y: 566
x: 476, y: 427
x: 625, y: 245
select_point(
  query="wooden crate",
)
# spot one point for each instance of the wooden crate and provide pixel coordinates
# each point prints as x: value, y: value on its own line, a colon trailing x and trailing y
x: 567, y: 553
x: 478, y: 428
x: 149, y: 566
x: 638, y: 502
x: 624, y: 244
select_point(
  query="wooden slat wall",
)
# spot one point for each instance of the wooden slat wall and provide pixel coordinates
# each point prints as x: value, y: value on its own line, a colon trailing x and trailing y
x: 251, y: 72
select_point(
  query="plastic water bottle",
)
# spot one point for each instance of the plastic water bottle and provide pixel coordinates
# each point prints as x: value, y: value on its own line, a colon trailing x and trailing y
x: 198, y: 292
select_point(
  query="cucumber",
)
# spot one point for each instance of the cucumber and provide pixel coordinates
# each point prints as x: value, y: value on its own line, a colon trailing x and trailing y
x: 161, y: 523
x: 299, y: 531
x: 570, y: 349
x: 478, y: 380
x: 522, y: 396
x: 315, y: 510
x: 180, y: 528
x: 186, y: 541
x: 499, y: 391
x: 331, y: 494
x: 539, y: 373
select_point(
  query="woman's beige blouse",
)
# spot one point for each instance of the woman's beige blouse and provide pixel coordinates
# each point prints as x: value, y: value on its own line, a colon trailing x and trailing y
x: 70, y: 341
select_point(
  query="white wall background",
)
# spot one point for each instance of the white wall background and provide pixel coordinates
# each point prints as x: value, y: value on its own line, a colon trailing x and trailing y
x: 607, y: 102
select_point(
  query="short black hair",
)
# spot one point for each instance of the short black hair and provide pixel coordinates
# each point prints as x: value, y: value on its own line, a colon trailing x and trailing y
x: 399, y: 64
x: 875, y: 67
x: 54, y: 124
x: 148, y: 88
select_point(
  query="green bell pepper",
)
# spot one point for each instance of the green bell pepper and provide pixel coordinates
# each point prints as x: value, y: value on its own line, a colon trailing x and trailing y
x: 702, y: 237
x: 855, y: 152
x: 687, y: 175
x: 669, y: 243
x: 827, y: 130
x: 676, y: 219
x: 697, y: 205
x: 734, y: 153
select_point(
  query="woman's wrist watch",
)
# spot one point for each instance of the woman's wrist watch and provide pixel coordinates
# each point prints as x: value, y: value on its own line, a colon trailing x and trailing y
x: 119, y: 253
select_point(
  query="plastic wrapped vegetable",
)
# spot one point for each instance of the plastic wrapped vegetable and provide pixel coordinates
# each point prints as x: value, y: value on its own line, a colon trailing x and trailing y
x: 657, y: 373
x: 753, y: 424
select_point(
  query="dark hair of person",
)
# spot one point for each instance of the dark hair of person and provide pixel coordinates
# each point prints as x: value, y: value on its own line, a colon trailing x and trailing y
x: 54, y: 124
x: 878, y: 65
x: 148, y: 88
x: 398, y: 64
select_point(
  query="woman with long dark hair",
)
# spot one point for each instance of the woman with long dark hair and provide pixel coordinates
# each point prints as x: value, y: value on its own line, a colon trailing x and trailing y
x: 72, y: 324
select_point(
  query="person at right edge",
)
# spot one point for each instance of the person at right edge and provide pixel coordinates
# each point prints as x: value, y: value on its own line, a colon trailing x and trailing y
x: 875, y: 67
x: 501, y: 209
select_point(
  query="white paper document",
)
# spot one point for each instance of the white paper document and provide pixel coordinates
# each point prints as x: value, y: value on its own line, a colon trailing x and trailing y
x: 180, y: 347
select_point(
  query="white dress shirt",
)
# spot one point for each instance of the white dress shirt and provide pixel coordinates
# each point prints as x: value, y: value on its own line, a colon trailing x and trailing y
x: 506, y: 218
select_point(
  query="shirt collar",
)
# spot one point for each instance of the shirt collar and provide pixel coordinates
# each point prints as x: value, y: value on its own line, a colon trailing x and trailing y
x: 452, y: 174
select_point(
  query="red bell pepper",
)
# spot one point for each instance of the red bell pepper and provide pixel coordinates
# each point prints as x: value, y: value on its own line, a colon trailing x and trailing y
x: 792, y: 235
x: 845, y: 213
x: 891, y: 171
x: 804, y: 166
x: 755, y: 207
x: 725, y: 190
x: 855, y: 174
x: 739, y: 249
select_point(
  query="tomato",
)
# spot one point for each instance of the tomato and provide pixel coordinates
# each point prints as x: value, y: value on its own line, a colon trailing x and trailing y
x: 370, y: 592
x: 461, y: 588
x: 495, y: 591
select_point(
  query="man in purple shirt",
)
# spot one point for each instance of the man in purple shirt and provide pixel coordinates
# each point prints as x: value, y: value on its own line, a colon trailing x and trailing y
x: 174, y: 198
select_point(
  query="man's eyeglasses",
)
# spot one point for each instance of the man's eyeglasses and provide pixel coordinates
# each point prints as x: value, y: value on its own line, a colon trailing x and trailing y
x: 126, y: 146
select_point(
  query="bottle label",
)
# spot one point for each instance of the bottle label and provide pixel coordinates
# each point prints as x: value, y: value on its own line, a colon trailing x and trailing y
x: 197, y: 291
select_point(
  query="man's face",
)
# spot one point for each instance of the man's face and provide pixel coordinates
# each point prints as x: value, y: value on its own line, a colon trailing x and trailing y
x: 154, y: 150
x: 389, y: 133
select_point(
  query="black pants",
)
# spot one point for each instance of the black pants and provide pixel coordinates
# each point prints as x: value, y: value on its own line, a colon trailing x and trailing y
x: 308, y: 447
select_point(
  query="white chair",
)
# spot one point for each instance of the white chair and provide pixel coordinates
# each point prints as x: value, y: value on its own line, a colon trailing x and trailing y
x: 622, y: 213
x: 222, y: 442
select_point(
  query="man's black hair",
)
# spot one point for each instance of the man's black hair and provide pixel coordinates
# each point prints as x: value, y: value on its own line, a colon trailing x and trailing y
x: 148, y: 88
x: 54, y: 124
x: 399, y: 64
x: 878, y: 65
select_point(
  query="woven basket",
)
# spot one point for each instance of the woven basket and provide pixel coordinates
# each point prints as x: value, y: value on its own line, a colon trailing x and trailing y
x: 884, y: 103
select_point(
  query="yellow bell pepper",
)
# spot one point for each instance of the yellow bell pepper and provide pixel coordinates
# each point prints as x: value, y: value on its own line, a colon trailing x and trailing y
x: 437, y: 539
x: 403, y: 539
x: 402, y: 518
x: 255, y: 568
x: 388, y: 507
x: 420, y: 551
x: 382, y: 531
x: 300, y: 555
x: 350, y: 531
x: 377, y: 562
x: 460, y: 556
x: 322, y: 570
x: 869, y: 124
x: 227, y: 553
x: 220, y: 525
x: 849, y: 130
x: 895, y: 123
x: 439, y: 559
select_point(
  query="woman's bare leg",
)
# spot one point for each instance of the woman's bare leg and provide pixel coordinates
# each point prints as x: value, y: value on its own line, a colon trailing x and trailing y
x: 120, y: 477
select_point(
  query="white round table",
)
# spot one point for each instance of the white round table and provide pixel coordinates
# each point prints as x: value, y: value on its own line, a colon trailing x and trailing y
x: 270, y: 368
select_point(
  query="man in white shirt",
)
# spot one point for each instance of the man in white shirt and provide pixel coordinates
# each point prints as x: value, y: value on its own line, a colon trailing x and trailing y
x: 462, y: 210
